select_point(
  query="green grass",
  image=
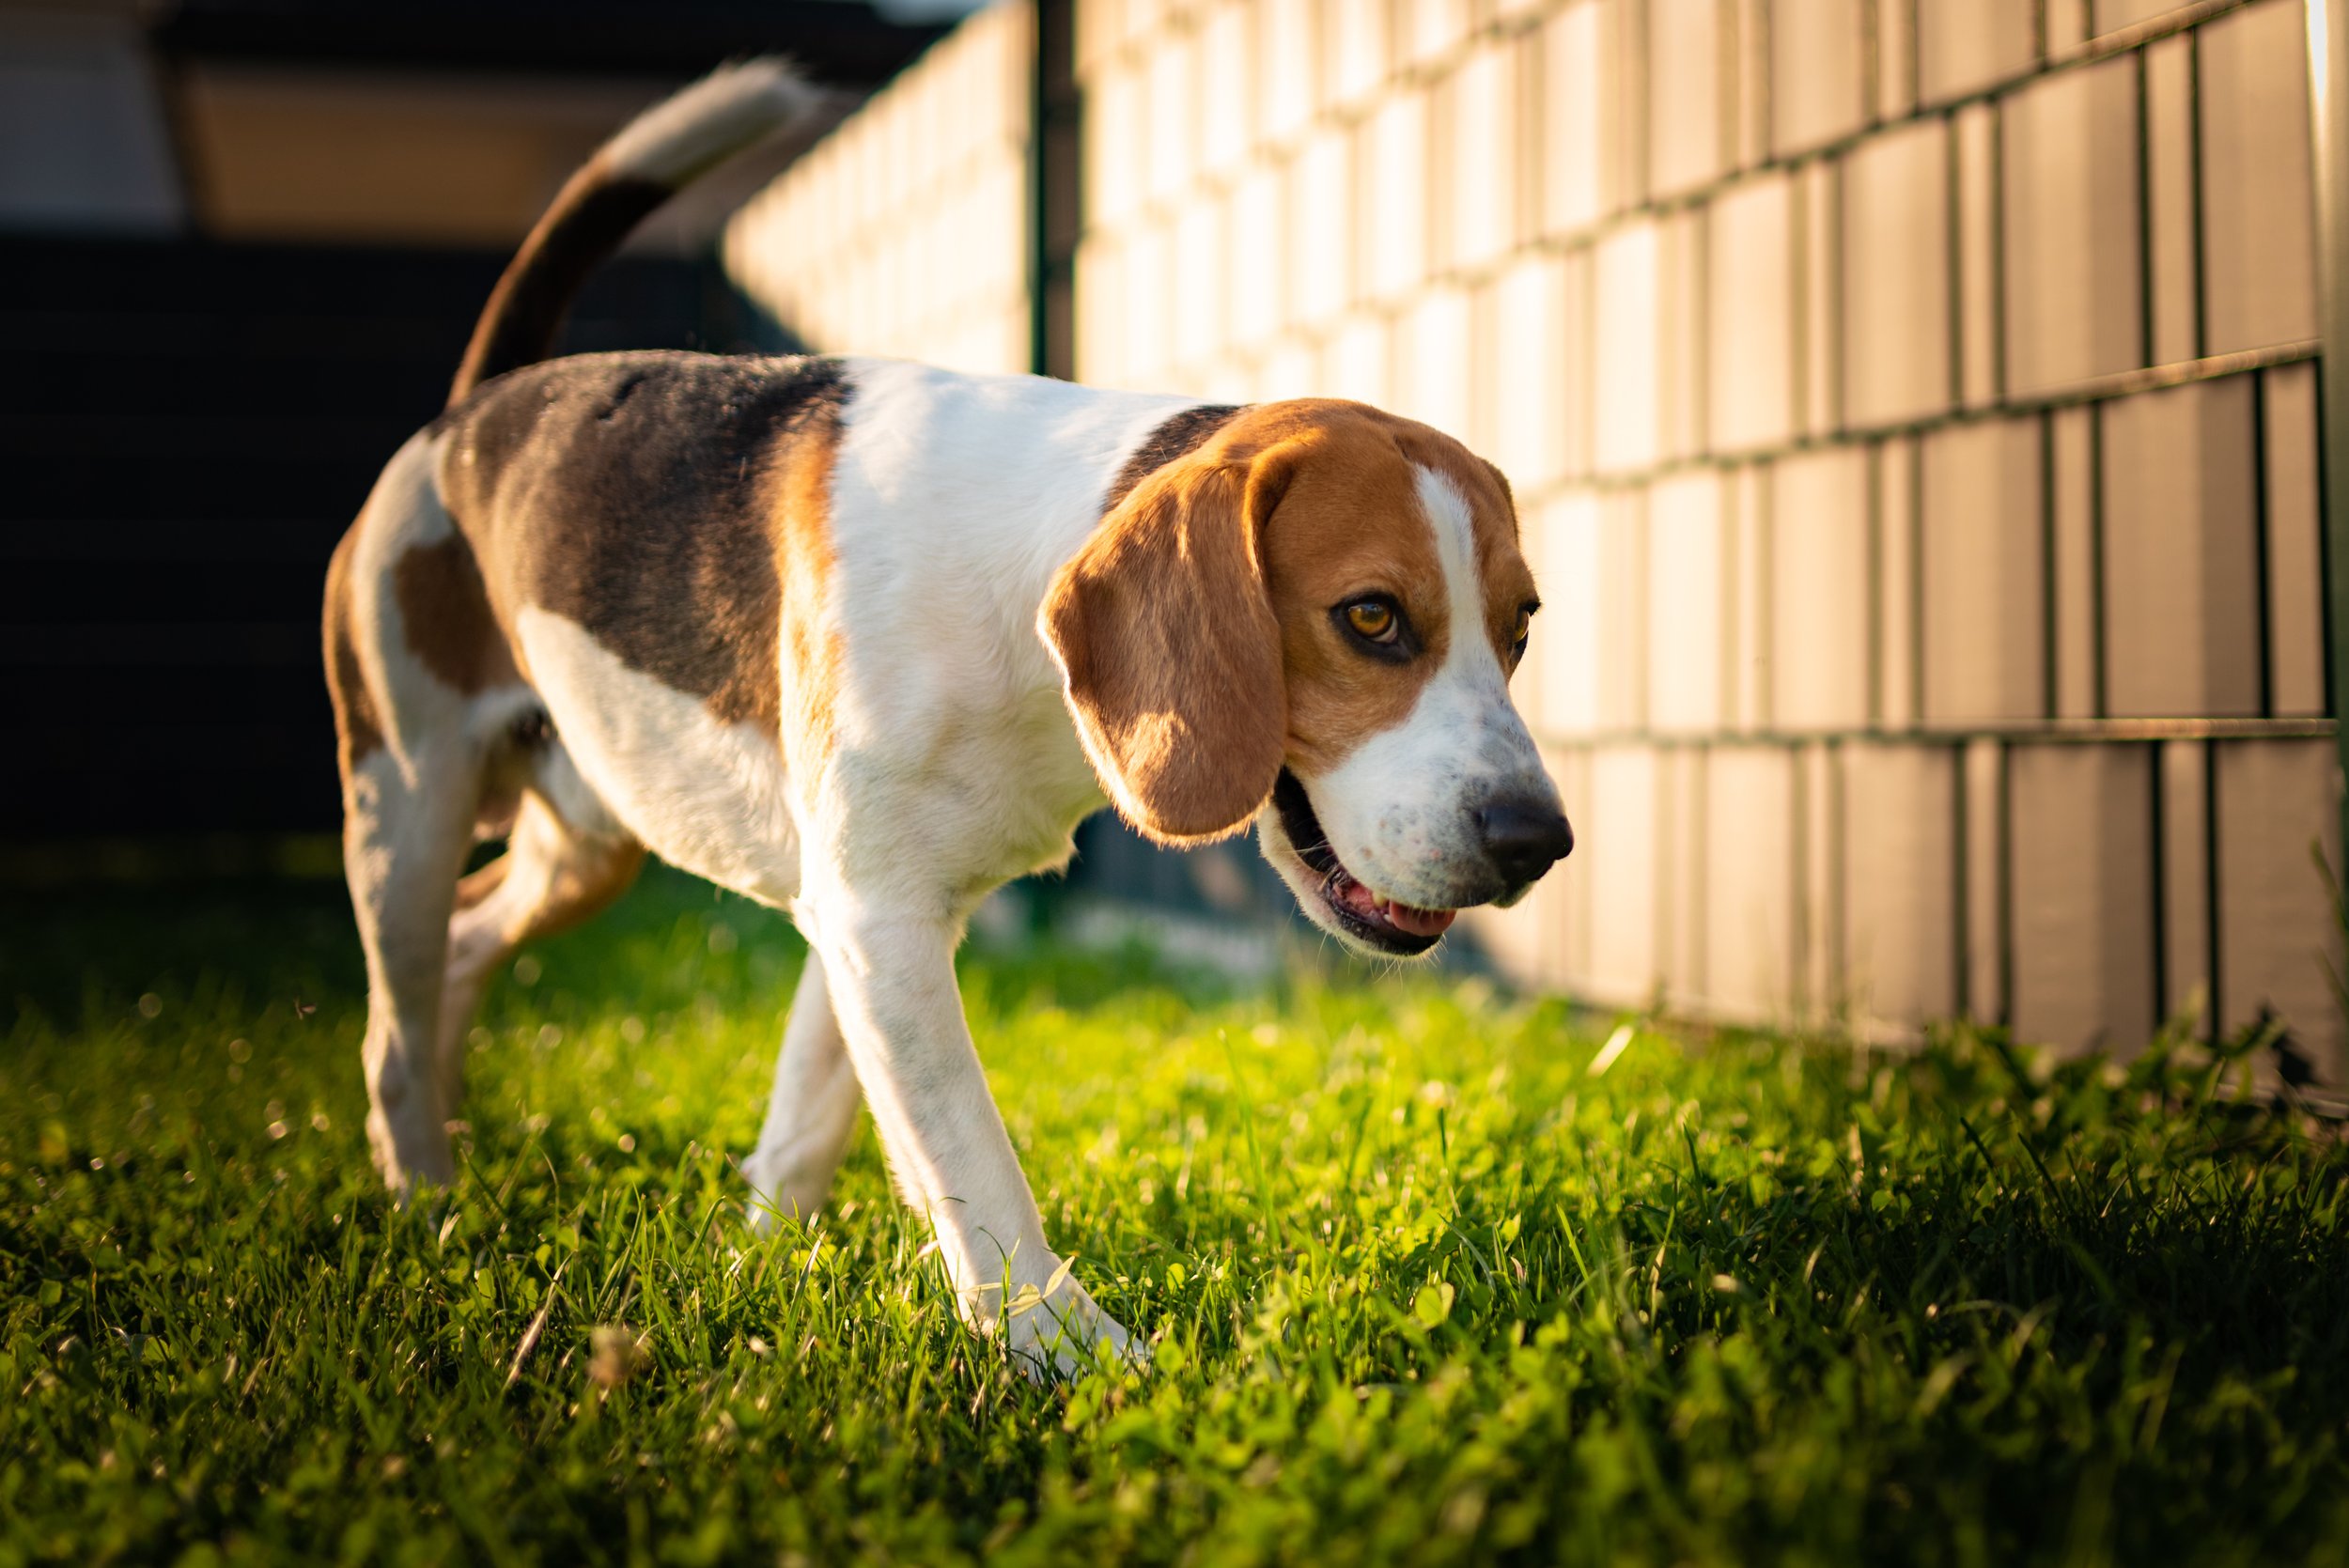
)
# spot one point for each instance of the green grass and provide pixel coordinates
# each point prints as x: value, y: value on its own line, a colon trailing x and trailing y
x: 1423, y: 1287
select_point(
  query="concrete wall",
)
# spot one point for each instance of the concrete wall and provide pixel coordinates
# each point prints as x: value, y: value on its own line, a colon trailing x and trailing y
x: 1911, y: 405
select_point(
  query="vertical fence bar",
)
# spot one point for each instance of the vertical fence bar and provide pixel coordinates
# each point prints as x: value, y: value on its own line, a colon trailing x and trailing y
x: 2328, y: 87
x: 1054, y: 128
x: 1039, y: 195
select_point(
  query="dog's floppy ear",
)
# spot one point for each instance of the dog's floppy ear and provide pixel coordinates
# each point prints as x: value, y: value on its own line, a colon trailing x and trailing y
x: 1165, y: 636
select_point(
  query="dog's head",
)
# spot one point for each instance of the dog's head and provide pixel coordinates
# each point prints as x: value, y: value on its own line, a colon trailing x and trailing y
x: 1310, y: 622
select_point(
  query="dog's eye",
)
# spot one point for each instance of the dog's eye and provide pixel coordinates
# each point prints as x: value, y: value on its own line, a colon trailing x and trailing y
x: 1373, y: 620
x: 1524, y: 631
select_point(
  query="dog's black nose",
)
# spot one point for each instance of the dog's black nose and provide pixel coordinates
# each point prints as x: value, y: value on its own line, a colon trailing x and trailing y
x: 1524, y: 838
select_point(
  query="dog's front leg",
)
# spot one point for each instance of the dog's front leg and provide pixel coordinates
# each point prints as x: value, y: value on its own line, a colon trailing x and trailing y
x: 810, y: 1113
x: 892, y: 976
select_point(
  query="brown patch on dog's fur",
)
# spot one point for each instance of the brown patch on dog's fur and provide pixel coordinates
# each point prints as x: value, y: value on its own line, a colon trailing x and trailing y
x: 474, y: 886
x: 445, y: 616
x: 1195, y: 628
x: 358, y: 731
x: 800, y: 517
x: 1171, y: 653
x: 583, y: 876
x: 587, y: 884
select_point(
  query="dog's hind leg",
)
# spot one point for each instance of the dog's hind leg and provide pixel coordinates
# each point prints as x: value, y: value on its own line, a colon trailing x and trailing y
x: 552, y: 877
x: 810, y: 1113
x: 407, y: 824
x: 418, y: 675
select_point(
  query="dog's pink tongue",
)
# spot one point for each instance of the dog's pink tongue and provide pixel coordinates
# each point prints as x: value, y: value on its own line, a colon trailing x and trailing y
x: 1418, y: 922
x: 1421, y: 923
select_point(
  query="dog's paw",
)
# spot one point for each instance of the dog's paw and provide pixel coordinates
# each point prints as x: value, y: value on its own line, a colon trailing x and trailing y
x: 1061, y: 1331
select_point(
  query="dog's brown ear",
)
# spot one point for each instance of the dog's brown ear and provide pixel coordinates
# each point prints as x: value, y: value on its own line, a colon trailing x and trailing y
x: 1165, y: 636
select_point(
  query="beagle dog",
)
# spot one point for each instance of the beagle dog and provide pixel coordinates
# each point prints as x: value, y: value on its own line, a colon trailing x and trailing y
x: 864, y: 640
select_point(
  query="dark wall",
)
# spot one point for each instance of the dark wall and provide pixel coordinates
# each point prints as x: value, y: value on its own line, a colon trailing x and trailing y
x: 844, y: 45
x: 186, y: 429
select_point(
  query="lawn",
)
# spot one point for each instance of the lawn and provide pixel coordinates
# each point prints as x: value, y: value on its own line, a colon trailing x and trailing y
x: 1433, y: 1274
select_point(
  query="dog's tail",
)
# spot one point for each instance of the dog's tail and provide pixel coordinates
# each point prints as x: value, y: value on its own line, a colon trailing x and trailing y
x: 655, y: 155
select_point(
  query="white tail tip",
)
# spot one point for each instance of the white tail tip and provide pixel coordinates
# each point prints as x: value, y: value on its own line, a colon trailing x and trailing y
x: 732, y: 108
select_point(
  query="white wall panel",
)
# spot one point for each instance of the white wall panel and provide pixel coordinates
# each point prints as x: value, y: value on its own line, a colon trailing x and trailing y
x: 1751, y: 943
x: 2181, y: 522
x: 1750, y: 316
x: 1819, y: 590
x: 2279, y: 812
x: 1982, y: 590
x: 1899, y: 890
x: 2083, y: 897
x: 1689, y: 604
x: 2258, y: 190
x: 2074, y: 250
x: 1896, y: 276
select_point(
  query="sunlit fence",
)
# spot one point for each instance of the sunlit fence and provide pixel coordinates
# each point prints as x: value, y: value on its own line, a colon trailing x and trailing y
x: 1911, y: 405
x: 905, y: 231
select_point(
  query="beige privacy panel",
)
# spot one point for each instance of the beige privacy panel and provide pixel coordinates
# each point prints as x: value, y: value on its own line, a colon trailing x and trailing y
x: 905, y: 231
x: 1911, y: 409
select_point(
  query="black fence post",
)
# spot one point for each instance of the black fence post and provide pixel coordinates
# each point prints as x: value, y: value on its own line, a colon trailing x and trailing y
x: 1056, y: 121
x: 2328, y: 86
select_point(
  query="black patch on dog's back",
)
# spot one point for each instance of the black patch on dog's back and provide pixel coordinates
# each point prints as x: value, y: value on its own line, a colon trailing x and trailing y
x: 632, y: 494
x: 1177, y: 436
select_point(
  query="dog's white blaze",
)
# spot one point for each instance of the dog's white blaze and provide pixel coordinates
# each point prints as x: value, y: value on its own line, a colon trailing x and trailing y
x: 701, y: 795
x: 1455, y: 528
x: 1401, y: 809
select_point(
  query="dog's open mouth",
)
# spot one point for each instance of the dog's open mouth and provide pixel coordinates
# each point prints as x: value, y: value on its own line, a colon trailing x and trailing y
x: 1383, y: 923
